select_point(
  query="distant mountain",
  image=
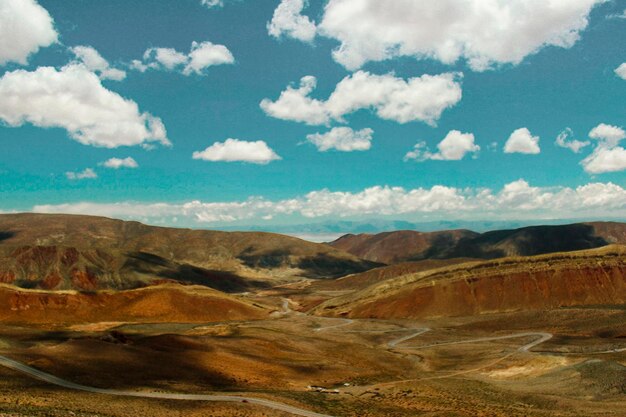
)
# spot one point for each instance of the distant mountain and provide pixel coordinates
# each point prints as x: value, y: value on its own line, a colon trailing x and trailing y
x: 542, y: 282
x: 337, y: 228
x: 402, y: 246
x: 90, y: 253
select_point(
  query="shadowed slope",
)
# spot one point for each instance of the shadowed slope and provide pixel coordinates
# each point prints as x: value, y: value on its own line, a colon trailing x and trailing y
x: 400, y: 246
x: 403, y: 246
x: 84, y: 252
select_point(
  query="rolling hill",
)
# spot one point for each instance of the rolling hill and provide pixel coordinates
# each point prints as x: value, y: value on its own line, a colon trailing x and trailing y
x: 63, y: 252
x: 169, y: 303
x: 404, y: 246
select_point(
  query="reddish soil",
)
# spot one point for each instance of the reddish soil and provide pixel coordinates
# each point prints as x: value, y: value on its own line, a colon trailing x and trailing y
x: 512, y: 284
x: 164, y: 303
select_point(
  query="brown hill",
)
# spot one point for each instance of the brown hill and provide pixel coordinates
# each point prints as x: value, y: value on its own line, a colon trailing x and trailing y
x: 362, y: 280
x: 161, y: 303
x: 83, y: 252
x: 402, y: 246
x: 594, y: 277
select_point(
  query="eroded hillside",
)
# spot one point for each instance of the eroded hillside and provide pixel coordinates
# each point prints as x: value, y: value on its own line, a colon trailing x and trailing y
x: 595, y: 277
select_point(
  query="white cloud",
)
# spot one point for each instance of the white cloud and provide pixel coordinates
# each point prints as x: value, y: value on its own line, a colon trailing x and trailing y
x: 94, y: 62
x: 167, y: 57
x: 295, y: 104
x: 521, y: 141
x: 207, y: 54
x: 453, y: 147
x: 415, y: 99
x: 117, y: 163
x: 87, y: 173
x: 564, y: 141
x: 621, y: 70
x: 607, y: 134
x: 201, y: 56
x: 484, y: 32
x: 74, y: 99
x: 238, y: 150
x: 25, y: 27
x: 288, y: 21
x: 516, y: 200
x: 342, y: 139
x: 605, y: 160
x: 607, y: 155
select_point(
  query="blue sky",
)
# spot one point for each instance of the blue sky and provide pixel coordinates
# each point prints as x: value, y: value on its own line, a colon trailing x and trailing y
x: 490, y: 81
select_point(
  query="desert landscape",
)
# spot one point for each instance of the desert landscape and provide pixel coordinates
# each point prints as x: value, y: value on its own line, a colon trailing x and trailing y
x: 113, y: 316
x: 315, y: 208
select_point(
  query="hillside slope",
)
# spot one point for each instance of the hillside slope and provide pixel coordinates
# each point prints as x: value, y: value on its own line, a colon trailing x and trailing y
x: 86, y: 253
x: 402, y: 246
x: 162, y: 303
x: 594, y: 277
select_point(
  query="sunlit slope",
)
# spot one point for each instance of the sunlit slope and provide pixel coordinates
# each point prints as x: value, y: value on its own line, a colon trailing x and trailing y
x: 592, y: 277
x: 161, y: 303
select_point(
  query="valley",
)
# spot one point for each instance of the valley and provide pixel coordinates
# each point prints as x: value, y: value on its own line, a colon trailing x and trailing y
x: 540, y: 335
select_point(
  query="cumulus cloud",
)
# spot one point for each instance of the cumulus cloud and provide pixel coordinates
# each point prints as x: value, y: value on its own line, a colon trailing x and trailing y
x: 117, y: 163
x: 289, y: 22
x: 74, y: 99
x: 621, y: 71
x: 564, y: 140
x: 486, y: 33
x: 207, y: 54
x: 94, y: 62
x: 521, y: 141
x: 607, y: 156
x: 516, y: 200
x: 607, y: 134
x: 87, y: 173
x: 342, y: 139
x: 25, y: 27
x: 238, y: 150
x: 391, y: 98
x: 201, y: 56
x: 453, y: 147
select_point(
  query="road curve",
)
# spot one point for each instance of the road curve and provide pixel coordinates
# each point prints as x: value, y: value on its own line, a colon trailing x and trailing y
x: 20, y: 367
x: 345, y: 322
x: 403, y: 339
x: 524, y: 348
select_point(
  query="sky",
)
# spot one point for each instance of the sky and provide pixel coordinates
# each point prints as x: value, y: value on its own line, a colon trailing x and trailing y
x: 234, y: 113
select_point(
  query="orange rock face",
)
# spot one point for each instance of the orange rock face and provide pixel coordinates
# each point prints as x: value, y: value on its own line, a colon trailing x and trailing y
x: 84, y: 280
x: 519, y: 284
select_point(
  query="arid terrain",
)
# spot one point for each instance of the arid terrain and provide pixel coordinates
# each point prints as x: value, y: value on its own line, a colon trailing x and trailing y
x: 101, y: 317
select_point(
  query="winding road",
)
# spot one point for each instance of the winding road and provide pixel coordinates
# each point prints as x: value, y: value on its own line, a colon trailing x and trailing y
x: 18, y: 366
x: 524, y: 348
x: 393, y: 344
